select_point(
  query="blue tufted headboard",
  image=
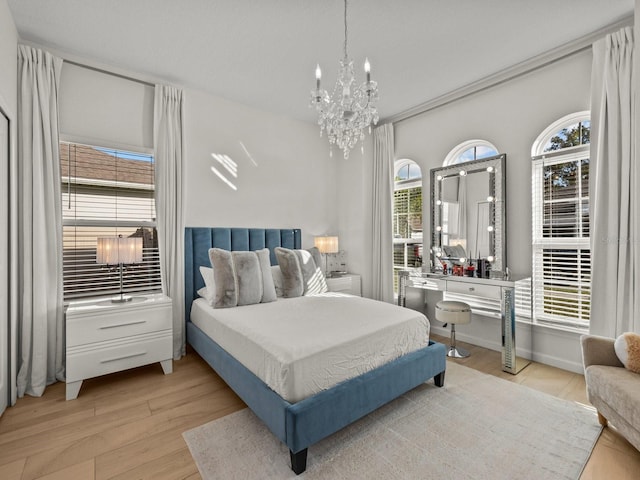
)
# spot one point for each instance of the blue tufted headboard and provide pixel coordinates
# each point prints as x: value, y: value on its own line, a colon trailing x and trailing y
x: 198, y: 241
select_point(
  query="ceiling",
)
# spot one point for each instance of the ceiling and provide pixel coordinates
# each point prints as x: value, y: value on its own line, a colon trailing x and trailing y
x: 263, y: 52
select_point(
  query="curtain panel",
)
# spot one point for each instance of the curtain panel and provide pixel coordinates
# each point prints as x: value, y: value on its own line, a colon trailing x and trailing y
x: 382, y: 221
x: 614, y: 189
x: 169, y: 156
x: 38, y: 253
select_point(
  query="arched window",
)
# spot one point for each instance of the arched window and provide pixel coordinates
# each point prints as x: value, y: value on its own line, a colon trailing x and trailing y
x: 560, y: 216
x: 469, y: 151
x: 407, y: 217
x: 572, y: 130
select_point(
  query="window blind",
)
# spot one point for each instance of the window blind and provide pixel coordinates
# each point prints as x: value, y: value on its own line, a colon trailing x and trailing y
x: 106, y: 193
x: 561, y: 255
x: 407, y: 227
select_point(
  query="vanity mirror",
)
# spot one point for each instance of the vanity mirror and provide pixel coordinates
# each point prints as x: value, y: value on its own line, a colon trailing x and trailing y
x: 468, y: 217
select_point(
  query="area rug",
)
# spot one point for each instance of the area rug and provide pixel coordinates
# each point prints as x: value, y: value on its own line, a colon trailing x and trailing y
x: 477, y: 427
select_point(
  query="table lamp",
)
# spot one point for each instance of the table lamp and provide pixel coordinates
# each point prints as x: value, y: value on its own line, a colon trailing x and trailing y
x: 326, y: 245
x: 119, y: 251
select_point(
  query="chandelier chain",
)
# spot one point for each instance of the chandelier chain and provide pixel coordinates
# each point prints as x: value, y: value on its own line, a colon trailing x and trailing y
x: 345, y: 29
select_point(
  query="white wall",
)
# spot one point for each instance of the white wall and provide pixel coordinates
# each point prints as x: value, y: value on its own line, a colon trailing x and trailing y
x: 511, y: 116
x: 8, y: 106
x: 285, y: 177
x: 8, y: 59
x: 355, y: 180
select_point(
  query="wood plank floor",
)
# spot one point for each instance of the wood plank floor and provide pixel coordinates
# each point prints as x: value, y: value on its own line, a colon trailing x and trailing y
x: 129, y: 425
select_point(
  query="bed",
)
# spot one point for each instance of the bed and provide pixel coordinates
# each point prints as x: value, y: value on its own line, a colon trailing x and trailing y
x: 298, y: 423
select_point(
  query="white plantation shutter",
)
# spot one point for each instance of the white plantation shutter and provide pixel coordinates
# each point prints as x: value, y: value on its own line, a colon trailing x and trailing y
x: 561, y: 255
x: 106, y: 193
x: 523, y: 298
x: 407, y: 227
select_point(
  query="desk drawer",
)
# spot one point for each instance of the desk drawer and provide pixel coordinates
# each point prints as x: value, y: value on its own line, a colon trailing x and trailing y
x: 98, y: 327
x: 477, y: 289
x: 83, y: 362
x: 427, y: 283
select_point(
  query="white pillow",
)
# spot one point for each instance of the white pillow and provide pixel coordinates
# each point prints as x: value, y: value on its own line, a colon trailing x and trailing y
x: 203, y: 293
x: 209, y: 290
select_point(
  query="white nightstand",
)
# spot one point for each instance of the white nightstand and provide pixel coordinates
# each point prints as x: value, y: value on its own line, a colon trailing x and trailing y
x: 348, y: 283
x: 105, y: 337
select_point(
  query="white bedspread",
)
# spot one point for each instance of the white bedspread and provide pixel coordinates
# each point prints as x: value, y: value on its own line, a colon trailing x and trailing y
x: 301, y: 346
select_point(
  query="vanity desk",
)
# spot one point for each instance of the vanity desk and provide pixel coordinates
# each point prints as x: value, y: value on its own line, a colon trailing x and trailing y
x: 487, y: 288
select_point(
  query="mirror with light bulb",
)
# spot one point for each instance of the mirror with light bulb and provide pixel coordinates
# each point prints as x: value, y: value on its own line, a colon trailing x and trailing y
x: 468, y: 218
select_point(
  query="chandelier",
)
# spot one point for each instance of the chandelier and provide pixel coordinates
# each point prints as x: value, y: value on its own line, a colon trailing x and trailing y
x: 349, y: 108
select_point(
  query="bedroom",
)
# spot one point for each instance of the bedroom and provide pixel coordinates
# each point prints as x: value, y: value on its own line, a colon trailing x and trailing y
x: 275, y: 167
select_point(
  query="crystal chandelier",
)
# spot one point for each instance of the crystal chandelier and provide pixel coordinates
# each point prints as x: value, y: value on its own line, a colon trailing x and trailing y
x: 349, y: 108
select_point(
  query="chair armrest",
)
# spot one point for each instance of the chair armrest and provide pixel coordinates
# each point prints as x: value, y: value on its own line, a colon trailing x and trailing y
x: 599, y: 351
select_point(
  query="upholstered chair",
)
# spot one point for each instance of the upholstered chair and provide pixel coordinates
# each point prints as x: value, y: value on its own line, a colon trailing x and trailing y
x: 611, y: 388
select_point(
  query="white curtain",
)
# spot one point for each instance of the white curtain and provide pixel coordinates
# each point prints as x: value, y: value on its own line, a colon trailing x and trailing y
x: 38, y: 255
x: 382, y: 224
x: 614, y: 189
x: 169, y: 154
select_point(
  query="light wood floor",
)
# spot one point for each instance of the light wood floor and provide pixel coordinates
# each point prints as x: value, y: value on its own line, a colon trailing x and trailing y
x: 128, y: 425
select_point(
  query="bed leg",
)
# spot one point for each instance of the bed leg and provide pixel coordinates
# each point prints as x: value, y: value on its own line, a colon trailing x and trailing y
x: 439, y: 379
x: 298, y: 461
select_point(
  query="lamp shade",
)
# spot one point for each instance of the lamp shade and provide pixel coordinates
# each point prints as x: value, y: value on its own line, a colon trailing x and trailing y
x: 326, y: 244
x: 117, y: 250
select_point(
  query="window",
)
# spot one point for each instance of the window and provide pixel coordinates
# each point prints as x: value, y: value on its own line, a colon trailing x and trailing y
x: 561, y: 254
x: 407, y: 218
x: 106, y: 193
x: 469, y: 151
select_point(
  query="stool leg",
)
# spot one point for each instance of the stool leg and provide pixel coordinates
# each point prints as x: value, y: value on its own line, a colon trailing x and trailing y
x: 454, y: 351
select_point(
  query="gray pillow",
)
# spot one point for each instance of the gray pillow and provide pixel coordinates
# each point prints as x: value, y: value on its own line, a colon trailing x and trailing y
x: 312, y: 277
x: 317, y: 256
x: 278, y: 281
x: 292, y: 282
x: 248, y: 277
x: 301, y: 275
x: 268, y: 285
x: 320, y: 279
x: 242, y: 277
x: 224, y: 277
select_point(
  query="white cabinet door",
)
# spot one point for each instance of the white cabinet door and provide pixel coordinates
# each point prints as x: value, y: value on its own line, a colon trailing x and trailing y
x: 4, y: 262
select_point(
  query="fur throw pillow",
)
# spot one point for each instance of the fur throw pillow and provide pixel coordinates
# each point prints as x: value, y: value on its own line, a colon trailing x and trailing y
x: 241, y: 277
x: 301, y: 275
x: 627, y: 347
x: 292, y: 281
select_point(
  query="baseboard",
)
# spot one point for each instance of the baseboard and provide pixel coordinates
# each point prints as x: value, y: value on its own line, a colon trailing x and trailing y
x: 539, y: 338
x: 558, y: 362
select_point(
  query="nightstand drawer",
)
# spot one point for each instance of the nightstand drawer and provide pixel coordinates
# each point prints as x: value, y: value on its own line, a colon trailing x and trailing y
x: 340, y: 284
x: 348, y: 283
x: 101, y: 326
x: 92, y: 362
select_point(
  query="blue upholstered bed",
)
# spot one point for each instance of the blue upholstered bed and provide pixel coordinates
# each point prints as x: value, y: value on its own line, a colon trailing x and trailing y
x: 298, y: 425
